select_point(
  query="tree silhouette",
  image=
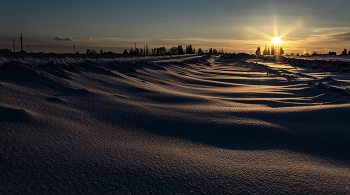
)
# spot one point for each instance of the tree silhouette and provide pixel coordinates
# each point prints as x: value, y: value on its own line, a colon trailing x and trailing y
x: 265, y: 50
x: 344, y: 52
x: 272, y: 49
x: 258, y: 51
x: 200, y: 51
x: 125, y: 52
x: 5, y: 50
x: 91, y: 51
x: 131, y: 52
x: 173, y: 51
x: 180, y: 50
x: 210, y: 50
x: 163, y: 51
x: 188, y: 49
x: 281, y: 51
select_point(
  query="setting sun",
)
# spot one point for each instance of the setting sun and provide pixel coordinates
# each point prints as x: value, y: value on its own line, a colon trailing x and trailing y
x: 277, y: 41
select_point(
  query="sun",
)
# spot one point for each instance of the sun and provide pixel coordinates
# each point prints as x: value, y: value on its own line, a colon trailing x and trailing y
x: 277, y: 41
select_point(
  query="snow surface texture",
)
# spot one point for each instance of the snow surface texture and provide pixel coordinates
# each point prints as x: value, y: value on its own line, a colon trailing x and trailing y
x: 172, y: 125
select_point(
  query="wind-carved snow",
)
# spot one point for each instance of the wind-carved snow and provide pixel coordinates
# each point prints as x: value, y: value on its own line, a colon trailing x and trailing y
x: 180, y: 125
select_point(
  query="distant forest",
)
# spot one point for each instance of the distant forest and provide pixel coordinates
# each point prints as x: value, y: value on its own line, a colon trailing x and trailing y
x: 172, y: 51
x: 276, y: 50
x: 272, y: 50
x: 179, y: 50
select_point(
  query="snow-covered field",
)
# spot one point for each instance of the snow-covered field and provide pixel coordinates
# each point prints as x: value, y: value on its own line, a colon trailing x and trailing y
x: 173, y: 125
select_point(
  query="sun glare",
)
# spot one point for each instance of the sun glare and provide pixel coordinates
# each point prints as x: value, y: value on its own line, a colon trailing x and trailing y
x: 277, y: 41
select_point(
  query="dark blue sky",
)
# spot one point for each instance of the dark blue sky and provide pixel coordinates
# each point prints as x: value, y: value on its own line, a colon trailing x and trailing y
x: 230, y: 24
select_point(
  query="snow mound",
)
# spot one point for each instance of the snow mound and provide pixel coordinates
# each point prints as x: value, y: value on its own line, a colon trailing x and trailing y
x: 172, y: 125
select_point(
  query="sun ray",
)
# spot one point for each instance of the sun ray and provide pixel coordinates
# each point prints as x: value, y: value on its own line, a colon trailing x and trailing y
x: 275, y: 26
x: 289, y: 29
x: 264, y: 34
x: 276, y: 37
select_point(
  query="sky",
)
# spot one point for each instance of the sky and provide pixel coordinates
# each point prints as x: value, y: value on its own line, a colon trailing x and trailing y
x: 232, y: 25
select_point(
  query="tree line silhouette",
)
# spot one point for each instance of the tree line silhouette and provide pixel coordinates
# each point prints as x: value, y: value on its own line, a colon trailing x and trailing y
x: 269, y: 50
x: 179, y: 50
x: 272, y: 50
x: 136, y: 51
x: 277, y: 50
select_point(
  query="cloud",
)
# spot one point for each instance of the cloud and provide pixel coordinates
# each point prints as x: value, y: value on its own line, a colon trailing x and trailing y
x: 62, y: 39
x: 331, y: 30
x: 328, y: 35
x: 90, y: 38
x: 343, y: 36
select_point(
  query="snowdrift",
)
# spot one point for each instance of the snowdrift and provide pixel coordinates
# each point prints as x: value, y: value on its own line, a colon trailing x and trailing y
x: 172, y: 125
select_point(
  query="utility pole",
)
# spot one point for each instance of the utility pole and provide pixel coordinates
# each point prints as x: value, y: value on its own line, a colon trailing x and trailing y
x: 144, y: 50
x: 135, y: 46
x: 21, y: 43
x: 14, y: 48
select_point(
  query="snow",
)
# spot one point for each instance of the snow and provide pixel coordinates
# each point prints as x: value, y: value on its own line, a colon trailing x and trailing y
x: 342, y: 58
x: 172, y: 125
x: 37, y: 59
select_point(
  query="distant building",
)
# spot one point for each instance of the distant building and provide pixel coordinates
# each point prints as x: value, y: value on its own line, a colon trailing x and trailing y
x: 332, y: 53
